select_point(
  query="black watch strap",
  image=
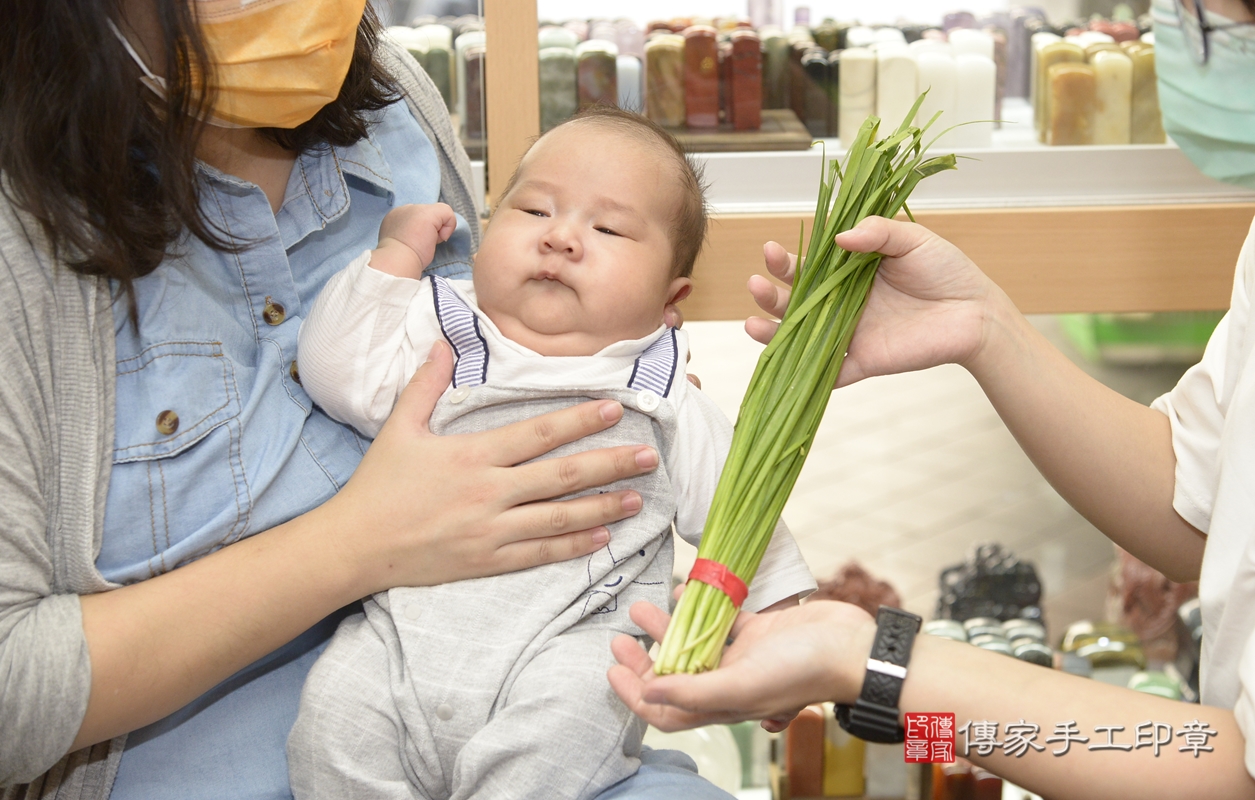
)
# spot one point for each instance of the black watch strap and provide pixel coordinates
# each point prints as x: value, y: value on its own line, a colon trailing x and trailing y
x: 874, y: 716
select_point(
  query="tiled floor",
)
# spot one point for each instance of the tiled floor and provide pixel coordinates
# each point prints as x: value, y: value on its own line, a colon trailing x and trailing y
x: 909, y: 471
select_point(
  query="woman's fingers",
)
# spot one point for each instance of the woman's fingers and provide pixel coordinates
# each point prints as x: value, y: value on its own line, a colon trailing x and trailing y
x: 555, y: 477
x: 674, y: 702
x: 761, y: 330
x: 652, y: 619
x: 780, y: 262
x: 523, y: 441
x: 429, y: 381
x: 628, y: 652
x: 779, y: 722
x: 770, y: 297
x: 547, y: 550
x: 632, y: 674
x: 556, y: 517
x: 879, y: 235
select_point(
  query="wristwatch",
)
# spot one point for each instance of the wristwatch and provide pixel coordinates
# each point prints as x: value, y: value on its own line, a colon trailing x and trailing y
x: 874, y: 716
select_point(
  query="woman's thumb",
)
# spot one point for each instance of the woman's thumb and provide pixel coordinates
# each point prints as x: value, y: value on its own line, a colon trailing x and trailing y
x: 889, y: 237
x: 419, y: 397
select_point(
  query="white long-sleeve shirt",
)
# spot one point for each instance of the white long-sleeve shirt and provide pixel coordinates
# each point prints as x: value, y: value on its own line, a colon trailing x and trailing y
x: 368, y: 333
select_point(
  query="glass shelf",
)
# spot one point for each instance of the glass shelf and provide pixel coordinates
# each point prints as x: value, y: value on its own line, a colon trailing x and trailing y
x: 1017, y: 172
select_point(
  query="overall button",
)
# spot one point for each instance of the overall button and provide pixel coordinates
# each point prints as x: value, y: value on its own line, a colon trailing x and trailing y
x: 294, y: 372
x: 273, y: 313
x: 459, y: 394
x: 647, y: 401
x: 444, y: 711
x: 167, y: 422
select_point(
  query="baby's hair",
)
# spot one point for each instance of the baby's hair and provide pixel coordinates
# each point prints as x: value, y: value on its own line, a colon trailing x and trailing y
x: 688, y: 228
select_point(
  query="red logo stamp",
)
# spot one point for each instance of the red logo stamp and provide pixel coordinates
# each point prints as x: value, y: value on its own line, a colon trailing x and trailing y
x: 929, y: 738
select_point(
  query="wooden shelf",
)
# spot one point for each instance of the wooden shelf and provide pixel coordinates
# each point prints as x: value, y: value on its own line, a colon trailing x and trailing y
x: 1049, y: 260
x: 780, y: 130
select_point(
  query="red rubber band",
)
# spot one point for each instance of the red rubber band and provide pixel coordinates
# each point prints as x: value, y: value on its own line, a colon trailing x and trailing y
x: 712, y: 573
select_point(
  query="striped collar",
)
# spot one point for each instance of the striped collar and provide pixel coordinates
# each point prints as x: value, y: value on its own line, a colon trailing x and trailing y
x: 654, y: 369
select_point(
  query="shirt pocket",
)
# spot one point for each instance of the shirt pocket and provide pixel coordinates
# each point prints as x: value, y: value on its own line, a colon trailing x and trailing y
x: 178, y: 487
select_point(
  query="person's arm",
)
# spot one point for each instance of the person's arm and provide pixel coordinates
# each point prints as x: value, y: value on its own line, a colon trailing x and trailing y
x: 819, y: 652
x: 160, y: 643
x: 408, y: 236
x: 357, y: 348
x: 1110, y: 457
x: 373, y: 322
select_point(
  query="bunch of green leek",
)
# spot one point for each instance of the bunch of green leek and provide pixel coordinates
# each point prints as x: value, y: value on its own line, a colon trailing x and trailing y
x: 787, y: 396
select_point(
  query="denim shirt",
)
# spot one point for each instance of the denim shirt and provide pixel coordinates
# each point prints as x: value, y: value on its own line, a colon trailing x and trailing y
x: 216, y: 440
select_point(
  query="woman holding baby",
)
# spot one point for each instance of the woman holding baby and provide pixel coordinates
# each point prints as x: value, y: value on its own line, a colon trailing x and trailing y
x: 180, y: 526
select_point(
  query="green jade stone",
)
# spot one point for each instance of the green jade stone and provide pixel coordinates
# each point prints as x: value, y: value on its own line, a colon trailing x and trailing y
x: 559, y: 98
x: 776, y: 53
x: 439, y: 63
x: 1156, y: 683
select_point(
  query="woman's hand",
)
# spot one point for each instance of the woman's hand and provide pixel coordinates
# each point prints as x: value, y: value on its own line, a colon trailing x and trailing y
x: 928, y: 305
x: 778, y: 663
x: 420, y: 509
x: 423, y: 509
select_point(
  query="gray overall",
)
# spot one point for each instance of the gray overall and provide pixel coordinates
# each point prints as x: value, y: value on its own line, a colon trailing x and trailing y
x: 494, y: 687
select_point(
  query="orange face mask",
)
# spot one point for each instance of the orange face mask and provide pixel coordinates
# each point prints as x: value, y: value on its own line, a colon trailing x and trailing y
x: 275, y: 62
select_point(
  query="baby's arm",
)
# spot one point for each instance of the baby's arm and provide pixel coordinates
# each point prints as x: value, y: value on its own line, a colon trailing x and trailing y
x: 408, y: 237
x: 362, y: 340
x: 703, y: 439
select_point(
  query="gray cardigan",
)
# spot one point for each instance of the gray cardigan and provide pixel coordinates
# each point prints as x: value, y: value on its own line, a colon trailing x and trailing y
x: 57, y: 374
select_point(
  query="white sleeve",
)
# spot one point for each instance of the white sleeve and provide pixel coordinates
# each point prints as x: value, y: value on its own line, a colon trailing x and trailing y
x: 703, y: 439
x: 357, y: 348
x: 1199, y: 403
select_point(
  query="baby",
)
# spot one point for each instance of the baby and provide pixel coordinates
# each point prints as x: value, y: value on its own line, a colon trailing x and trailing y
x: 496, y: 687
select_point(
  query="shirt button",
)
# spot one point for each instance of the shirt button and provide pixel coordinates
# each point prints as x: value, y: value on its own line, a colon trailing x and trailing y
x: 444, y: 711
x: 647, y: 401
x: 273, y: 313
x: 167, y: 422
x: 413, y: 612
x: 294, y: 372
x: 459, y: 394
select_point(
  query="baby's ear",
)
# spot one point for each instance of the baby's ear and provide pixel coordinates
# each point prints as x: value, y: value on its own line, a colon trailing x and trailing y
x: 678, y: 290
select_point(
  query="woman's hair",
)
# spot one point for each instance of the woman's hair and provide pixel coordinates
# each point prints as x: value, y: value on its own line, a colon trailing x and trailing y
x: 105, y: 165
x: 689, y: 221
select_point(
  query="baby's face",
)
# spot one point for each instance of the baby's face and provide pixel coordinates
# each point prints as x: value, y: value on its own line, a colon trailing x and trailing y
x: 578, y: 254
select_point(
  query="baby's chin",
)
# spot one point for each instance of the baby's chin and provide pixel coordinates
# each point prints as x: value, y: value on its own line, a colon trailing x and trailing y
x: 554, y: 334
x: 551, y: 337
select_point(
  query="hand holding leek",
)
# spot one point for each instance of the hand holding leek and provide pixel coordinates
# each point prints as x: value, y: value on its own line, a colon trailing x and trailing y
x: 789, y: 391
x: 929, y: 304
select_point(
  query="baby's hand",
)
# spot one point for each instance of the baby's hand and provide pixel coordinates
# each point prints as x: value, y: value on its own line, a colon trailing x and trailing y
x: 408, y: 237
